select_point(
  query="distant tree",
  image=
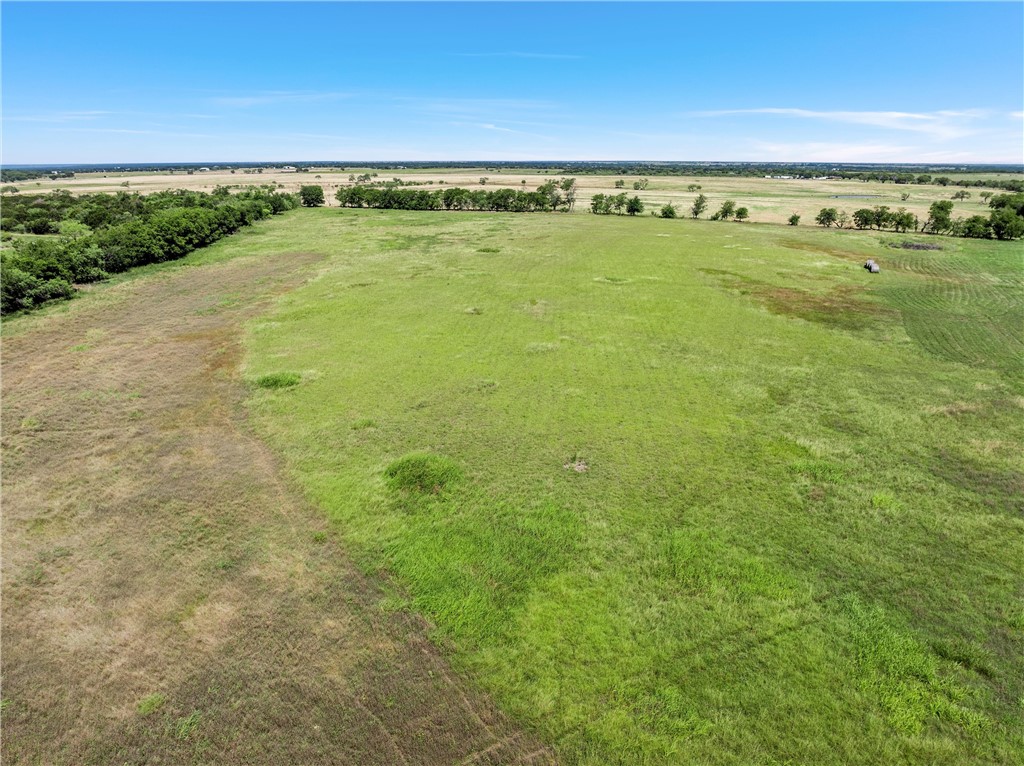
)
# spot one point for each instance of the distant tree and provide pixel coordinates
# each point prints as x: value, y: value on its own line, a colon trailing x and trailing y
x: 1014, y: 202
x: 568, y: 187
x: 620, y: 184
x: 668, y: 211
x: 962, y: 194
x: 634, y: 206
x: 882, y: 216
x: 726, y: 211
x: 842, y: 219
x: 553, y: 192
x: 601, y: 204
x: 693, y: 187
x: 9, y: 190
x: 901, y: 220
x: 977, y: 227
x: 700, y: 204
x: 640, y: 185
x: 73, y: 229
x: 904, y: 196
x: 311, y: 196
x: 985, y: 196
x: 864, y: 218
x: 942, y: 181
x: 1006, y: 224
x: 827, y: 217
x: 940, y: 217
x: 742, y: 214
x: 794, y: 220
x: 923, y: 179
x: 483, y: 180
x: 619, y: 203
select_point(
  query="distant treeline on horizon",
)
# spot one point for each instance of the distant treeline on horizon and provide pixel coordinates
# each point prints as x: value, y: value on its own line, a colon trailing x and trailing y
x: 885, y: 173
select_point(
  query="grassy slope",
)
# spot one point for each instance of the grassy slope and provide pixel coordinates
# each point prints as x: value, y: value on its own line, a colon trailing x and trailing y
x: 799, y: 536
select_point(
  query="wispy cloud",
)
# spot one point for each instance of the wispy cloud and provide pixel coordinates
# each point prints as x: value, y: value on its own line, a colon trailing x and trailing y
x: 947, y: 124
x: 862, y: 152
x: 1017, y: 115
x: 524, y: 55
x: 135, y: 132
x: 266, y: 98
x: 499, y: 129
x: 92, y: 114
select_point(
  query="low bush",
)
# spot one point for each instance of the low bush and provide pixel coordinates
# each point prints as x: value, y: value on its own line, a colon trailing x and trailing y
x: 423, y: 472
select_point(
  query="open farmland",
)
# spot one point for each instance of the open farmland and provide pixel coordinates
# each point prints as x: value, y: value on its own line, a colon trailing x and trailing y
x: 661, y: 491
x: 676, y: 492
x: 770, y: 200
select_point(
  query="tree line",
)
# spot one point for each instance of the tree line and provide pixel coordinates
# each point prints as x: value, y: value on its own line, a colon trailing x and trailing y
x: 1005, y: 222
x: 551, y: 196
x: 103, y: 234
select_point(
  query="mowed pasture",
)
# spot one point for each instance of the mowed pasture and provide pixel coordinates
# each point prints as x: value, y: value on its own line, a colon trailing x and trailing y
x: 770, y: 200
x: 675, y: 491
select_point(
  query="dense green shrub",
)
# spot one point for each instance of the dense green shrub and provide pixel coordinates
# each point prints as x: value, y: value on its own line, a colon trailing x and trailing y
x: 312, y: 196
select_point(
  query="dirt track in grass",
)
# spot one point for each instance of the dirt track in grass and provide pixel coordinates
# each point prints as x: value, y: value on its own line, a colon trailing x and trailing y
x: 167, y: 598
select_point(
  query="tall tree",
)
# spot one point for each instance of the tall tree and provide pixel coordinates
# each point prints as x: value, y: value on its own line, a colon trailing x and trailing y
x: 700, y: 204
x: 827, y: 217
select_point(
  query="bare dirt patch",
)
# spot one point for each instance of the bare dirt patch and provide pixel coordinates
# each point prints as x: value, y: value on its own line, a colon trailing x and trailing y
x: 150, y: 547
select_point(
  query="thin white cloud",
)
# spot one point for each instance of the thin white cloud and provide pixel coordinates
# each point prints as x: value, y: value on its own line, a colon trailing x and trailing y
x: 524, y: 55
x: 134, y: 132
x: 476, y: 106
x: 93, y: 114
x: 1017, y: 115
x: 863, y: 152
x: 499, y: 129
x: 267, y: 98
x: 944, y: 125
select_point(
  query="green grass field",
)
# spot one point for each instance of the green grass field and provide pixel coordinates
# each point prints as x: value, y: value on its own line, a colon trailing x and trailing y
x: 674, y: 491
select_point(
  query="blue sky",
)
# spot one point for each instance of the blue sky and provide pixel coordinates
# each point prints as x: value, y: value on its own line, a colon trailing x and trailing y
x: 843, y: 82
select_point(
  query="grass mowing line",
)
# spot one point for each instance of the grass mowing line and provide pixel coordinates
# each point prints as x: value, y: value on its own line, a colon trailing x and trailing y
x: 765, y: 560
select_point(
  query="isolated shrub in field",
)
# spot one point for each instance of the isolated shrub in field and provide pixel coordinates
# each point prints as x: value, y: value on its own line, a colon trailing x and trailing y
x: 668, y: 211
x: 279, y: 380
x: 794, y: 220
x: 742, y: 214
x: 423, y: 472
